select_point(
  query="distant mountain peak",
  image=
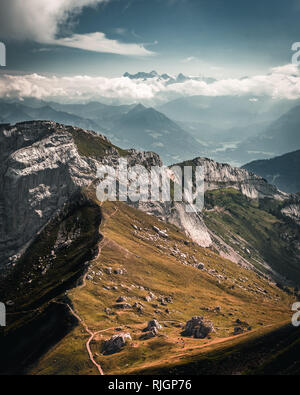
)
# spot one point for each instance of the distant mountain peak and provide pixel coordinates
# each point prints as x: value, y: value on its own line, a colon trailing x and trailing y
x: 166, y: 78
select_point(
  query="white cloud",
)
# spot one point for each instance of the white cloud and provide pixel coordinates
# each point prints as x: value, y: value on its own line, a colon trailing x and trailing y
x: 98, y: 42
x: 189, y: 59
x: 288, y: 69
x: 42, y: 20
x: 279, y: 83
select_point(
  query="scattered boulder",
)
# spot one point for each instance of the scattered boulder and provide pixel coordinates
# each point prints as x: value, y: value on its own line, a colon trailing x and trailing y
x: 149, y: 335
x: 149, y: 297
x: 198, y: 327
x: 121, y: 299
x: 139, y: 307
x: 108, y: 311
x: 115, y: 343
x: 160, y: 232
x: 238, y: 330
x: 123, y: 306
x: 200, y: 266
x: 153, y: 324
x: 120, y: 272
x: 242, y: 323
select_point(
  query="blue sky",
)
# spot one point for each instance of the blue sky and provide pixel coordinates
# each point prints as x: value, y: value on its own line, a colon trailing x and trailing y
x: 78, y: 50
x: 214, y: 38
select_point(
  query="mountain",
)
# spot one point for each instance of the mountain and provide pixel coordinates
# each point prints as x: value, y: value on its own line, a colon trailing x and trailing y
x: 139, y: 127
x: 103, y: 115
x: 283, y: 135
x: 141, y: 75
x: 232, y: 111
x: 245, y: 128
x: 147, y: 129
x: 282, y: 171
x: 94, y: 288
x: 16, y: 112
x: 127, y: 125
x: 166, y: 78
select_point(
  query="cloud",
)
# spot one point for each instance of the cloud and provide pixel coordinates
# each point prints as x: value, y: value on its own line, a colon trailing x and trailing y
x: 76, y: 88
x: 288, y: 69
x: 98, y: 42
x: 281, y: 83
x: 42, y: 21
x: 189, y: 59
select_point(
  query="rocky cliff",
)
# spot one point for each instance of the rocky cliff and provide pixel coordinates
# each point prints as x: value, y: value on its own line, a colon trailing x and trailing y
x: 43, y: 164
x: 222, y: 175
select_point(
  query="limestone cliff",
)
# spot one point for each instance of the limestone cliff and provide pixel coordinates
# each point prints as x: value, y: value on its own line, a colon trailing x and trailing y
x: 43, y: 164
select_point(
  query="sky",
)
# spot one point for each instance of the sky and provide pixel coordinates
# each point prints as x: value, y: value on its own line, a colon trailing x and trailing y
x: 53, y: 44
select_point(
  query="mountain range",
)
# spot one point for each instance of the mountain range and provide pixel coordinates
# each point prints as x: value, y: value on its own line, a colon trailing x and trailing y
x: 133, y: 126
x: 245, y: 128
x: 166, y: 78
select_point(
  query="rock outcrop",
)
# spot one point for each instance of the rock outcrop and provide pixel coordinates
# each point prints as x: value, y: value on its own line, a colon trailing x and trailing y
x: 115, y: 343
x: 153, y: 324
x: 41, y: 170
x: 198, y: 327
x: 222, y: 175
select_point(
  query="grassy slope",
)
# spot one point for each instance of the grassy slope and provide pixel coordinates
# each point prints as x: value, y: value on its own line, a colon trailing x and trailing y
x: 162, y: 274
x: 234, y: 217
x: 91, y: 145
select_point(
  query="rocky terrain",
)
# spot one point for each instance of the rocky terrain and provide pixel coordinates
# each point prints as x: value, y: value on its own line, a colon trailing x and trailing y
x: 154, y: 282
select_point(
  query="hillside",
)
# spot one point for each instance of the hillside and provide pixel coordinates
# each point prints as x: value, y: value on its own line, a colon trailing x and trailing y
x: 282, y: 171
x: 12, y: 112
x: 76, y: 272
x: 279, y: 137
x: 147, y: 268
x: 147, y: 129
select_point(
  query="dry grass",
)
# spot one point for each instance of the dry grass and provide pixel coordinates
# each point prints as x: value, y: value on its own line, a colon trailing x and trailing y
x: 157, y: 271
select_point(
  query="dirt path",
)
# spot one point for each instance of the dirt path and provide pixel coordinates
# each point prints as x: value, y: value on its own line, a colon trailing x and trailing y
x: 86, y: 328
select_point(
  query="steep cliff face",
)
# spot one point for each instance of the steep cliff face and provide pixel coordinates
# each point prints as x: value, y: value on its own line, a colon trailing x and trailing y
x: 40, y: 171
x: 221, y: 175
x: 42, y: 166
x: 291, y: 208
x: 216, y: 176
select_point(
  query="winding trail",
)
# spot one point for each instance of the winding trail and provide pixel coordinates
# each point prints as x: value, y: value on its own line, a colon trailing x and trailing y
x: 85, y: 326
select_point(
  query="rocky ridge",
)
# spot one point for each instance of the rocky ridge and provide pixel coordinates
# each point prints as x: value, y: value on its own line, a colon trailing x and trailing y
x: 42, y: 167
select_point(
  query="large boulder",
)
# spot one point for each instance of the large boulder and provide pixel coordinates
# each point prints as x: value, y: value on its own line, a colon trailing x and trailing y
x: 238, y: 331
x: 115, y: 343
x: 149, y: 335
x: 198, y: 327
x: 153, y: 324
